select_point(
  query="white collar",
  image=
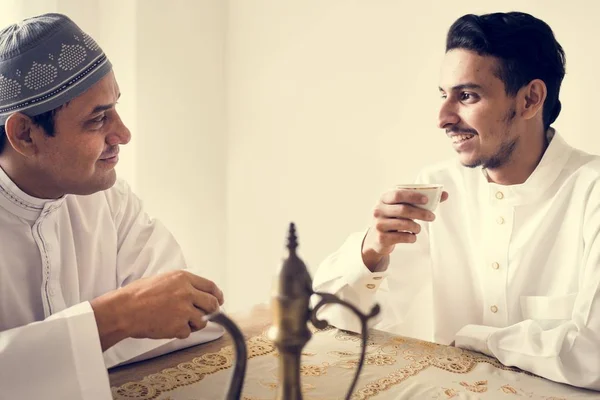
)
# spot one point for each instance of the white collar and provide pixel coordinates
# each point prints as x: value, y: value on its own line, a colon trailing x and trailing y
x: 546, y: 172
x: 13, y: 199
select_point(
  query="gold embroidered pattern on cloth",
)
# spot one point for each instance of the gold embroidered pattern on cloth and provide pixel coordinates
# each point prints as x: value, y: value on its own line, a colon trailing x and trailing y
x: 329, y: 361
x: 423, y: 355
x: 190, y: 372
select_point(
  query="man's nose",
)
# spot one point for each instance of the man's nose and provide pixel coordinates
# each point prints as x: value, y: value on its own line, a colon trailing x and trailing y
x: 447, y: 116
x: 120, y: 134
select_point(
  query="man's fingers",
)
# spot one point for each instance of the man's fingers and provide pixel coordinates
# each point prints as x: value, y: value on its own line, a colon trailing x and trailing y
x: 197, y: 320
x: 397, y: 224
x: 444, y: 196
x: 403, y: 211
x: 184, y: 332
x: 207, y: 286
x: 403, y: 196
x: 387, y: 239
x: 205, y: 302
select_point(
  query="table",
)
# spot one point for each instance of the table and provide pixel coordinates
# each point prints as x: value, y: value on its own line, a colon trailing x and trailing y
x: 395, y: 368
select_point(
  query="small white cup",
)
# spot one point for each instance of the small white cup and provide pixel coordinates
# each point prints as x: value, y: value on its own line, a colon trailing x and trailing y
x: 431, y: 190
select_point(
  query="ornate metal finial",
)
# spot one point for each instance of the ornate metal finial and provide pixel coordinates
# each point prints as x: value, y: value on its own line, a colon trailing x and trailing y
x: 290, y: 303
x: 292, y: 239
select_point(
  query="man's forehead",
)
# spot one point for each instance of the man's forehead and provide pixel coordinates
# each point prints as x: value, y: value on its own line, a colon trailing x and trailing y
x: 460, y: 67
x: 103, y: 92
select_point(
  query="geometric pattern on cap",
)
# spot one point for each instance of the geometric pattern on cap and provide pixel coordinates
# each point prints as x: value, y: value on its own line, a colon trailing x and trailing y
x: 8, y: 88
x: 40, y: 75
x: 71, y: 55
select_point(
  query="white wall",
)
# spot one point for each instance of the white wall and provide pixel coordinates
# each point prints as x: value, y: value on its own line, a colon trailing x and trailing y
x: 331, y: 102
x: 247, y: 115
x: 180, y: 144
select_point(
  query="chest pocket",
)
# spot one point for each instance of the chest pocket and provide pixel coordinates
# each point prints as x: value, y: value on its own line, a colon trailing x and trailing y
x: 548, y: 307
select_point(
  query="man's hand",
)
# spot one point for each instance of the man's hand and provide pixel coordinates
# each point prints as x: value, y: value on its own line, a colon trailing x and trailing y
x: 394, y: 222
x: 169, y: 305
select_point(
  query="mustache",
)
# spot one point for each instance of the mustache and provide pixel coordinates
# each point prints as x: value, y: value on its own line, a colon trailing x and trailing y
x: 110, y: 152
x: 458, y: 129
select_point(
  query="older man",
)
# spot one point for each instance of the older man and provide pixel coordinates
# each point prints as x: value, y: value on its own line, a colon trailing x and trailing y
x: 87, y: 279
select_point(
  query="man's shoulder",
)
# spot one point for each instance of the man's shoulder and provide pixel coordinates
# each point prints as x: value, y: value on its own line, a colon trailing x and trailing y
x: 583, y: 166
x: 583, y: 174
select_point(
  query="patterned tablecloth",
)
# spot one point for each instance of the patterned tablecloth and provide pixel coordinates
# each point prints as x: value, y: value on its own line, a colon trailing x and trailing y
x: 395, y: 368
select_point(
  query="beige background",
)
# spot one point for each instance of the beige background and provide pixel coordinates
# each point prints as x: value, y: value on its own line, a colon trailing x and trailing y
x: 249, y: 114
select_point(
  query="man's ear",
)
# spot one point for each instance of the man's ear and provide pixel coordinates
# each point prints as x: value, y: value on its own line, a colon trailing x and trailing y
x: 534, y: 95
x: 20, y: 132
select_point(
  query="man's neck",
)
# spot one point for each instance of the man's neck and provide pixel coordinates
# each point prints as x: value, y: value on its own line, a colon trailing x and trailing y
x: 27, y: 180
x: 523, y: 161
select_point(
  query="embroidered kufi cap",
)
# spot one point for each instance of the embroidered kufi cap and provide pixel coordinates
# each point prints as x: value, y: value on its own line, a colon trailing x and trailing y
x: 46, y: 61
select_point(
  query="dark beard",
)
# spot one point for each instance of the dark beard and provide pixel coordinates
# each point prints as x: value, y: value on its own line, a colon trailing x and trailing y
x: 499, y: 159
x: 504, y: 153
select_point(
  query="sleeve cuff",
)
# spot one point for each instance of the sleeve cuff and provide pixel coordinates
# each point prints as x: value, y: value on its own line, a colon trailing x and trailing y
x: 476, y: 338
x: 133, y: 350
x: 358, y: 276
x: 86, y: 351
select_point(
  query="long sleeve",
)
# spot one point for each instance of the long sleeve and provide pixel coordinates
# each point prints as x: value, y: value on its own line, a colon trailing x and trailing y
x: 344, y: 274
x: 145, y: 248
x: 402, y: 287
x: 563, y: 343
x: 58, y: 358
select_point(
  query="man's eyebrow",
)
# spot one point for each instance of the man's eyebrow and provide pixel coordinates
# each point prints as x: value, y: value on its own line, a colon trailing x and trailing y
x: 463, y: 86
x: 103, y: 107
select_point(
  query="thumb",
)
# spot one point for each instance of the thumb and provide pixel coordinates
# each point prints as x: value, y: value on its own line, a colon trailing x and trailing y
x: 444, y: 196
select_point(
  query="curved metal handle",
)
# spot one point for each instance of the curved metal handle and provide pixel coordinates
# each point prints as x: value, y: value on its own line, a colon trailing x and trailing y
x: 241, y: 354
x: 328, y: 298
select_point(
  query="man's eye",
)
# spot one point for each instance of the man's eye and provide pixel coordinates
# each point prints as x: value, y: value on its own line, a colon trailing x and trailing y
x: 466, y: 96
x: 99, y: 119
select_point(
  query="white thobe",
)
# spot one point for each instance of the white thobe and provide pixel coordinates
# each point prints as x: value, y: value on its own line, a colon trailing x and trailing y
x: 56, y: 256
x: 509, y: 271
